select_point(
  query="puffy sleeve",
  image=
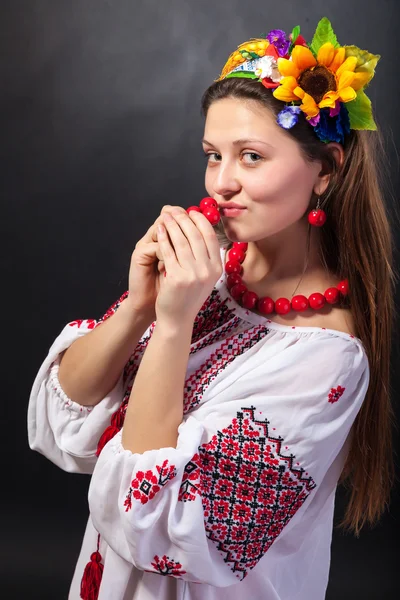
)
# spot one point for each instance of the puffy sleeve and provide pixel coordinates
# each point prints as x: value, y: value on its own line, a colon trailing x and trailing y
x: 64, y: 431
x: 247, y: 462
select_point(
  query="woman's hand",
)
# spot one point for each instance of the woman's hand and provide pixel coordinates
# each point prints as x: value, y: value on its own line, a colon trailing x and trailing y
x: 146, y: 270
x: 191, y: 253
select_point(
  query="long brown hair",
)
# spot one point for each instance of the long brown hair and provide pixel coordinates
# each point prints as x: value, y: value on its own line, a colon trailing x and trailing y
x: 357, y: 244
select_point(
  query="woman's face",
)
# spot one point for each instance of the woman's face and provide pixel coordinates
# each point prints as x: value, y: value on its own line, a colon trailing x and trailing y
x: 253, y: 162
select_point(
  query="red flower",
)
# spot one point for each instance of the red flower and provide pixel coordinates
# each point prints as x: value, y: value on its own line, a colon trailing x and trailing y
x: 241, y: 513
x: 208, y: 462
x: 239, y: 533
x: 248, y: 473
x: 251, y: 451
x: 166, y: 566
x: 264, y: 516
x: 245, y: 492
x: 223, y: 487
x: 266, y: 496
x: 269, y: 477
x: 227, y: 467
x: 335, y: 394
x: 221, y: 509
x: 229, y: 446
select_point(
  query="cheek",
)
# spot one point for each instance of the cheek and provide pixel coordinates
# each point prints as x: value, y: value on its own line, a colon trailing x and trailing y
x: 287, y: 185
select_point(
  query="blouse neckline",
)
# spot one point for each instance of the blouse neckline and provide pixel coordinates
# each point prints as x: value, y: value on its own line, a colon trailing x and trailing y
x: 255, y: 319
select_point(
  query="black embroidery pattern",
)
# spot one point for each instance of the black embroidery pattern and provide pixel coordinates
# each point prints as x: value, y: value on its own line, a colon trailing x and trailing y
x: 230, y: 348
x: 249, y: 489
x: 166, y: 566
x: 213, y: 314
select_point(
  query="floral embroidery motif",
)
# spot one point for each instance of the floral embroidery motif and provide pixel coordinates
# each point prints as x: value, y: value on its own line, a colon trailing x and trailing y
x: 146, y: 485
x: 166, y: 566
x: 90, y: 323
x: 249, y: 489
x: 230, y: 348
x: 213, y: 314
x: 335, y: 394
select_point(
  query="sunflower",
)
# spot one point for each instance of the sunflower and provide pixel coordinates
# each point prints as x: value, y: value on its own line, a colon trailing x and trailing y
x: 320, y: 82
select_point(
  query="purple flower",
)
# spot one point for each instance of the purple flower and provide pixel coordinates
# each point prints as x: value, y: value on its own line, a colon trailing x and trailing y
x: 277, y: 37
x: 335, y: 111
x: 314, y: 120
x: 288, y: 117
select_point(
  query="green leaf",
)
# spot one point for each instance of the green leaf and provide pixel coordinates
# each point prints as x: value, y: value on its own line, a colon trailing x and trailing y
x: 245, y: 74
x: 254, y: 55
x: 366, y: 62
x: 295, y: 33
x: 323, y: 34
x: 360, y: 112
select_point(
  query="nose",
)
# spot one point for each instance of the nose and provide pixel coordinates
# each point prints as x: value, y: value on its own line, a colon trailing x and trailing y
x: 226, y: 181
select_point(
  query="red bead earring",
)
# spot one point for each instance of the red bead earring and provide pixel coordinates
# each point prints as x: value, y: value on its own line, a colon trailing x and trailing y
x: 317, y: 216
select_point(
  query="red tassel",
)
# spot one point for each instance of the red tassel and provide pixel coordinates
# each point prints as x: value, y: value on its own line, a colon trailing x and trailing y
x: 91, y: 580
x: 108, y: 434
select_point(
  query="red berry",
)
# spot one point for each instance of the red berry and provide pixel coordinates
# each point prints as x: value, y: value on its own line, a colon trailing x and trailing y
x: 241, y: 245
x: 249, y: 300
x: 317, y: 217
x: 299, y: 303
x: 238, y: 290
x: 196, y: 208
x: 232, y: 266
x: 282, y: 306
x: 332, y: 295
x: 266, y: 305
x: 236, y: 254
x: 316, y: 300
x: 207, y: 203
x: 343, y: 287
x: 233, y: 279
x: 212, y: 215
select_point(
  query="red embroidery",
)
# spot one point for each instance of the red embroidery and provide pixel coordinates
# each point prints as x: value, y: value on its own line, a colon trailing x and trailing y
x: 145, y: 486
x: 335, y: 394
x: 90, y: 323
x: 166, y: 566
x: 249, y: 489
x: 230, y: 348
x: 113, y: 309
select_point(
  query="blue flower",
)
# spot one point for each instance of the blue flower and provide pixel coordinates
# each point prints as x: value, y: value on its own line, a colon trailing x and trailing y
x: 288, y: 117
x: 333, y: 129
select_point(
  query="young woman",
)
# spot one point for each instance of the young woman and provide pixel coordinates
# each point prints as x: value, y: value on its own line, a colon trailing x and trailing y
x: 220, y: 401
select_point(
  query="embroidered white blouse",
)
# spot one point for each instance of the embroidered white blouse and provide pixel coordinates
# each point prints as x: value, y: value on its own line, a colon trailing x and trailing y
x: 243, y: 506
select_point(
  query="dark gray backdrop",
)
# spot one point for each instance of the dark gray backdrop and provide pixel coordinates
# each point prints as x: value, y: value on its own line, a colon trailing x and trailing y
x: 100, y: 127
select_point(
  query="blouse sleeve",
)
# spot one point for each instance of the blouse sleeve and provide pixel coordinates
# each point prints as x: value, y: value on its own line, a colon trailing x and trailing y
x: 246, y: 462
x: 64, y: 431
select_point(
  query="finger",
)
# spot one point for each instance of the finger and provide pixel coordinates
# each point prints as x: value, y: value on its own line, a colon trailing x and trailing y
x: 182, y: 243
x: 208, y: 234
x: 194, y: 236
x: 168, y: 208
x: 166, y: 249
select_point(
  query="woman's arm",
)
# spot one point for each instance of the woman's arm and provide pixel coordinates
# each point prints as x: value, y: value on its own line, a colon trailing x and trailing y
x: 91, y: 366
x: 155, y: 408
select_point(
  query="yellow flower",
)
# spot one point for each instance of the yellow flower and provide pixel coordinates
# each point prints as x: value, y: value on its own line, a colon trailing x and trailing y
x: 319, y: 82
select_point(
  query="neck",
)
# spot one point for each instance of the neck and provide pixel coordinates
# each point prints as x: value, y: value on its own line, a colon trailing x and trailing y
x: 282, y: 257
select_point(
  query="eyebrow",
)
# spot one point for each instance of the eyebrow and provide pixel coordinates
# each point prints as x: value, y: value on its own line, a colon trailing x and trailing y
x: 241, y: 142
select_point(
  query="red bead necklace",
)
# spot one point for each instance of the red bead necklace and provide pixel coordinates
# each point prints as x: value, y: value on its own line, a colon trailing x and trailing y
x: 250, y: 300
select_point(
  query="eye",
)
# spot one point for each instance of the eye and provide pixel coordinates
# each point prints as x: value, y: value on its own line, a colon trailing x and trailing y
x: 212, y: 156
x: 253, y: 156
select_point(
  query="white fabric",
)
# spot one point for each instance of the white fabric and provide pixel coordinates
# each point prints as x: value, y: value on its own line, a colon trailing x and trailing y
x: 245, y: 501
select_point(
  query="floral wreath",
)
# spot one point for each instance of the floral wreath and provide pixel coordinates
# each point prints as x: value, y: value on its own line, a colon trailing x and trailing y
x: 323, y: 80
